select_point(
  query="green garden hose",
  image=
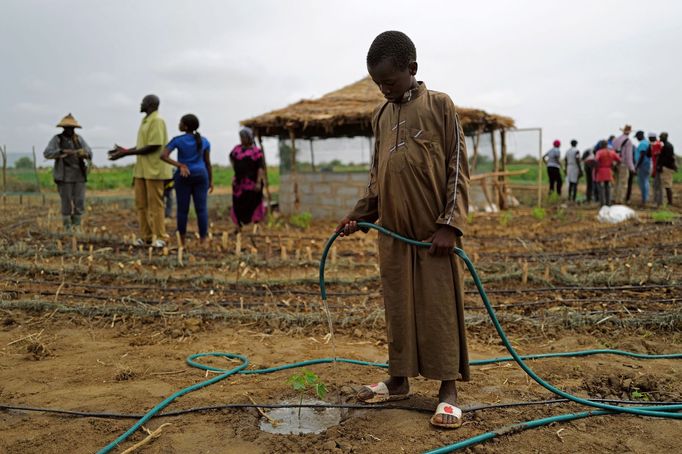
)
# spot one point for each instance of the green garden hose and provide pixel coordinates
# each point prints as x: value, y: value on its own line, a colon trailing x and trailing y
x: 664, y: 411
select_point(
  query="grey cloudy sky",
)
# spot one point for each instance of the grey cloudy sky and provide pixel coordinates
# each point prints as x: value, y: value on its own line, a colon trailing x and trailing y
x: 578, y: 69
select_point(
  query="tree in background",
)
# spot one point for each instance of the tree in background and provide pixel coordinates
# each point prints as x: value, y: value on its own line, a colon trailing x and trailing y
x: 24, y: 163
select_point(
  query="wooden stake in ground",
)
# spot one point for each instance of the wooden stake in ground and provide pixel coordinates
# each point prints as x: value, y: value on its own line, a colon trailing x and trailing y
x: 524, y: 272
x: 238, y: 245
x: 224, y: 240
x: 180, y: 248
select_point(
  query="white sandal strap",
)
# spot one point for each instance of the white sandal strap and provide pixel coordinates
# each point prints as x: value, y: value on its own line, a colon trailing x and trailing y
x: 379, y: 389
x: 445, y: 408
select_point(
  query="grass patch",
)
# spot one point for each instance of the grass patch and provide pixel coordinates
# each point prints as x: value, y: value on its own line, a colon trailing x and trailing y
x: 539, y: 213
x: 301, y: 220
x: 110, y: 178
x: 663, y: 216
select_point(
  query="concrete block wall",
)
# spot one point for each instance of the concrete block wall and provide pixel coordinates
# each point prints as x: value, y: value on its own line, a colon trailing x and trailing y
x: 324, y: 195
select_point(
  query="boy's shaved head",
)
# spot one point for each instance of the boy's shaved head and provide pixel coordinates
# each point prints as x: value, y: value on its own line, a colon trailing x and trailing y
x: 393, y: 45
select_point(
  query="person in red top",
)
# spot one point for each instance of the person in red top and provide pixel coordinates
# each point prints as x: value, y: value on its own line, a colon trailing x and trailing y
x: 605, y: 158
x: 656, y: 147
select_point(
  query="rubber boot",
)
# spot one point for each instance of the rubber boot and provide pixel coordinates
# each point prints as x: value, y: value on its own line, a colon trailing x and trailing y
x: 76, y: 221
x: 66, y: 220
x: 669, y: 195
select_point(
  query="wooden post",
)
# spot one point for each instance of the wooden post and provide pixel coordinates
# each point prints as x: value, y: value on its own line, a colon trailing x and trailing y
x: 35, y: 169
x: 294, y: 171
x: 496, y: 167
x: 312, y: 155
x: 474, y: 160
x: 3, y: 151
x: 540, y: 170
x: 267, y: 184
x: 503, y: 168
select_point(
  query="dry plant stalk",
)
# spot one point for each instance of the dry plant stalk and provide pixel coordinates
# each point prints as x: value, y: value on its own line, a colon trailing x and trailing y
x: 274, y: 422
x: 224, y: 240
x: 238, y: 245
x: 150, y: 437
x: 524, y: 272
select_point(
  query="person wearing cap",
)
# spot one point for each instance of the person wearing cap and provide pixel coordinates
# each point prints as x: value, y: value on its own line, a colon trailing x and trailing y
x: 71, y: 155
x: 643, y: 165
x: 656, y: 147
x: 625, y: 171
x: 573, y: 170
x: 667, y: 166
x: 248, y: 163
x: 553, y: 161
x: 149, y: 174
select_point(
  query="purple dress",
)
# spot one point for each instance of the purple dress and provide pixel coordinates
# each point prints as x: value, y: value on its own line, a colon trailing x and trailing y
x: 247, y: 194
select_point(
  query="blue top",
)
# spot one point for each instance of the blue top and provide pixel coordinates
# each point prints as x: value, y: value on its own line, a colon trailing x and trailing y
x: 188, y: 152
x: 642, y: 148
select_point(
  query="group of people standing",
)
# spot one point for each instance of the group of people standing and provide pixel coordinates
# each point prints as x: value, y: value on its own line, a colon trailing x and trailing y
x: 611, y: 166
x: 192, y: 178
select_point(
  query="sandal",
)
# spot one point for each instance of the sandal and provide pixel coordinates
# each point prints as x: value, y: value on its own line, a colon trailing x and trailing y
x: 380, y: 394
x: 443, y: 409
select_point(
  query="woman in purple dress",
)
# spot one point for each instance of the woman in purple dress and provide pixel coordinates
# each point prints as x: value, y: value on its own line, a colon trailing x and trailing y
x: 248, y: 163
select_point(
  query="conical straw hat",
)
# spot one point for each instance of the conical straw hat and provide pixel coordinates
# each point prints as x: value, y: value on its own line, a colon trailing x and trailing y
x: 68, y: 122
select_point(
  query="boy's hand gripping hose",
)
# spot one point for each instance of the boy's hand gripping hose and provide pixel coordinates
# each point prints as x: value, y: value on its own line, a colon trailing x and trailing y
x: 663, y: 411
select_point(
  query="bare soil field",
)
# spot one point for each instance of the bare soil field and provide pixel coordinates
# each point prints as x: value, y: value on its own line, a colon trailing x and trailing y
x: 90, y: 323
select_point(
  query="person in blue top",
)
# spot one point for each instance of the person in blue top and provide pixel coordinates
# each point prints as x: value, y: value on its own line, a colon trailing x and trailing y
x: 642, y: 160
x: 194, y: 177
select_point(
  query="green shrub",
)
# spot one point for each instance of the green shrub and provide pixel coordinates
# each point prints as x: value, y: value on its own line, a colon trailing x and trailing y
x: 301, y: 220
x: 505, y: 218
x: 539, y: 213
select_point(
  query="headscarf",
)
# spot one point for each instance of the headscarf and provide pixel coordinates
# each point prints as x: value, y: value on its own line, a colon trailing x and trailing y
x: 246, y: 132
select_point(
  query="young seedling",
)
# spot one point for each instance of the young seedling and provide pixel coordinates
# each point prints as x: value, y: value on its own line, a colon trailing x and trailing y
x: 306, y: 381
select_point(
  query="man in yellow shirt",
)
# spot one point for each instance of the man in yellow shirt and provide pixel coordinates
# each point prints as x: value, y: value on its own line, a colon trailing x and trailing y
x: 149, y: 173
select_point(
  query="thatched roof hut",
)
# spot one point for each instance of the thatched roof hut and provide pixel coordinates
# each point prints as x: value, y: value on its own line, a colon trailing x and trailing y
x: 347, y: 112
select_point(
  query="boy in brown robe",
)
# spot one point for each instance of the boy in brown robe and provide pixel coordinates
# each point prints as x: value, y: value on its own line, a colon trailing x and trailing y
x: 418, y: 187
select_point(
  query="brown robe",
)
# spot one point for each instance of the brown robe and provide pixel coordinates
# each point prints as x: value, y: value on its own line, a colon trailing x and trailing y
x: 419, y: 180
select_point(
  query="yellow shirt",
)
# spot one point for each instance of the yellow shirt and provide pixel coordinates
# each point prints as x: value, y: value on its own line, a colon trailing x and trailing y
x: 150, y: 166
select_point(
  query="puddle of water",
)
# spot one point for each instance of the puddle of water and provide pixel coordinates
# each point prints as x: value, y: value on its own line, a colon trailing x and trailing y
x: 312, y: 421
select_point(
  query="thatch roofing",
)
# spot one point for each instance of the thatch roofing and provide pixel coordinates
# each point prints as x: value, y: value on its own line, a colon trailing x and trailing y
x: 347, y: 112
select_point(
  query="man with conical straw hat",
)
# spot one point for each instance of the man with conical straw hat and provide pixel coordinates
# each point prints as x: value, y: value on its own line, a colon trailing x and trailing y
x: 71, y: 155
